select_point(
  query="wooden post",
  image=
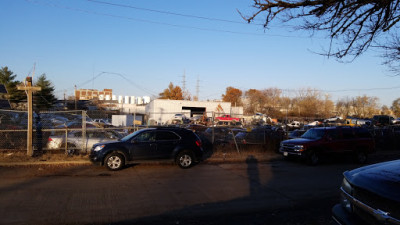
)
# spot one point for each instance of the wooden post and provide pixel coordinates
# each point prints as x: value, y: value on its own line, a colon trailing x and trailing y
x: 29, y: 90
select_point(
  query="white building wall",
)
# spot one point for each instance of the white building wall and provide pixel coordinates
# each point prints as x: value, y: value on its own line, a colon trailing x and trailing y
x: 146, y: 99
x: 162, y: 110
x: 139, y: 100
x: 126, y: 100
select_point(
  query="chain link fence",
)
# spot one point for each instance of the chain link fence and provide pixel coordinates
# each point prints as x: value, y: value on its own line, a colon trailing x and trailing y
x: 74, y: 132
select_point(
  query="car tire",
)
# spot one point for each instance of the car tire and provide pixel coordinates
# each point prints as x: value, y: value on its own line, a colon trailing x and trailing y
x: 313, y: 158
x: 71, y: 149
x: 361, y: 157
x: 185, y: 159
x: 114, y: 161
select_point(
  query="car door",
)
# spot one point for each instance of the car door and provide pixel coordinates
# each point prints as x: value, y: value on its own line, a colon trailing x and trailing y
x: 166, y: 143
x: 348, y: 139
x: 333, y: 141
x: 143, y: 146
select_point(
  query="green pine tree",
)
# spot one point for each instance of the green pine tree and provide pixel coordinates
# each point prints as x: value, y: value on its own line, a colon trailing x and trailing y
x: 7, y: 78
x: 44, y: 99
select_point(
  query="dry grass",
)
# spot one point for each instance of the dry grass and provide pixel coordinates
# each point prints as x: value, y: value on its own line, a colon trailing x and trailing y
x: 226, y: 154
x: 21, y: 156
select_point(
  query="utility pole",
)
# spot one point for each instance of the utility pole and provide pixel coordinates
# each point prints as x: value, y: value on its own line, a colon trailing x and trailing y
x: 29, y: 90
x: 197, y: 88
x: 184, y: 81
x: 76, y: 107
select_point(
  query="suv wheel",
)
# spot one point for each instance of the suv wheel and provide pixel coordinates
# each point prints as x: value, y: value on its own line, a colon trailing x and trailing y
x: 114, y: 161
x: 184, y: 159
x: 313, y: 158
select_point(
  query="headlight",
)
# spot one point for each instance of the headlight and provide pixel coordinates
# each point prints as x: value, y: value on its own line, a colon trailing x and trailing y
x: 98, y: 148
x: 346, y: 187
x: 299, y: 148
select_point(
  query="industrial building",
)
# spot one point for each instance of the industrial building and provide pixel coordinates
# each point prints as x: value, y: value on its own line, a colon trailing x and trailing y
x: 162, y: 110
x: 89, y: 94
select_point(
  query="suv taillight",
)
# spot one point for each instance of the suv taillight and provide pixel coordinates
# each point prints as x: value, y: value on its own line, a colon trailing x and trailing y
x: 198, y: 143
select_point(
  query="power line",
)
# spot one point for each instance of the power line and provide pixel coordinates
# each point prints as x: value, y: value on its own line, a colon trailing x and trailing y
x: 163, y: 23
x: 112, y: 73
x: 172, y: 13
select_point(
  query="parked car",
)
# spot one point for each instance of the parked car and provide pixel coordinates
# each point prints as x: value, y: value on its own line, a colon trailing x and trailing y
x: 74, y: 139
x: 222, y: 135
x: 267, y: 137
x: 196, y: 127
x: 164, y: 143
x: 370, y: 195
x: 382, y: 120
x: 321, y: 141
x: 76, y: 125
x: 101, y: 123
x: 293, y: 125
x: 257, y: 136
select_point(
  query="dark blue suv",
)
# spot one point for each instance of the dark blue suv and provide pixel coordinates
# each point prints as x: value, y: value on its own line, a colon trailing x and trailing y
x: 164, y: 143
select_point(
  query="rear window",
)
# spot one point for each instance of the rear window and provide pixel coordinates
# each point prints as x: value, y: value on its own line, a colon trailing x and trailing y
x: 166, y: 136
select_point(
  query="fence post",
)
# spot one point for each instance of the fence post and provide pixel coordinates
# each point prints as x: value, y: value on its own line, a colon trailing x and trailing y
x: 234, y: 140
x: 29, y: 90
x: 213, y: 128
x: 83, y: 131
x: 66, y: 141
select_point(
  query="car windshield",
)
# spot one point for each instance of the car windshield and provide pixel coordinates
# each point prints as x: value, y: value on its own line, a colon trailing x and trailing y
x: 314, y: 134
x: 126, y: 138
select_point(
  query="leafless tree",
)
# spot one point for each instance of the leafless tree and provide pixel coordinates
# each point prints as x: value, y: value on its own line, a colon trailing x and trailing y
x: 353, y: 25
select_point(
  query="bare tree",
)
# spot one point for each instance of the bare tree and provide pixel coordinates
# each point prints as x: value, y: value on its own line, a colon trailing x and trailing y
x: 353, y: 25
x: 255, y: 101
x: 272, y: 96
x: 396, y: 107
x: 391, y: 54
x: 343, y: 107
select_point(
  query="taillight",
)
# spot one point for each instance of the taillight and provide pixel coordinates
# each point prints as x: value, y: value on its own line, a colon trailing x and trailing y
x: 198, y: 143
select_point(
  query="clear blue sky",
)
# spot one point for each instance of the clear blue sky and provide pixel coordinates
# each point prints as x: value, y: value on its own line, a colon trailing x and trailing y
x: 144, y: 45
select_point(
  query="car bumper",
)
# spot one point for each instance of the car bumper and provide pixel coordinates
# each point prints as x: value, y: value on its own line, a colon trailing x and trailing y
x: 285, y: 152
x: 342, y: 217
x: 96, y: 159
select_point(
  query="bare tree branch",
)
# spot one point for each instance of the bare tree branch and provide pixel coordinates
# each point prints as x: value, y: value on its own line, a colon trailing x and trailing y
x: 353, y: 25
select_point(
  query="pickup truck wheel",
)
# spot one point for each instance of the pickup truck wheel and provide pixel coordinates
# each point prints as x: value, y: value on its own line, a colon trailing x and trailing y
x: 313, y: 158
x: 114, y: 161
x: 361, y: 157
x: 184, y: 159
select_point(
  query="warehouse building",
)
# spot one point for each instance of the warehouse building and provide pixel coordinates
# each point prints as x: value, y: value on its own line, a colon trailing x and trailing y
x: 163, y: 110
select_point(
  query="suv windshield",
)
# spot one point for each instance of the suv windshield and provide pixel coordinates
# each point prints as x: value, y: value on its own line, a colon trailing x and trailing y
x: 126, y: 138
x: 314, y: 134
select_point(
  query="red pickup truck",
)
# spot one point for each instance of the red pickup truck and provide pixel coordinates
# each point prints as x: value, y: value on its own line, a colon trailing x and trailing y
x: 226, y: 117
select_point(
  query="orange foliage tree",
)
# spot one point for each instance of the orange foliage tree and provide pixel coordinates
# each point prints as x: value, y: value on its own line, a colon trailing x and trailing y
x: 172, y: 92
x: 233, y: 95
